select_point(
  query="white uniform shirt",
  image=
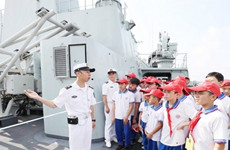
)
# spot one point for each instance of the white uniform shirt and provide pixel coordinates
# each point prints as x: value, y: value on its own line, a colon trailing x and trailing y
x: 210, y: 129
x: 180, y: 113
x: 122, y: 101
x: 137, y: 99
x: 144, y: 108
x: 77, y: 100
x: 108, y: 89
x: 155, y: 116
x: 223, y: 103
x: 189, y: 100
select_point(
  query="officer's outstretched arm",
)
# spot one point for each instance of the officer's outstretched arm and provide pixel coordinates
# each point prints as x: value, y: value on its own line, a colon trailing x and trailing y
x: 34, y: 95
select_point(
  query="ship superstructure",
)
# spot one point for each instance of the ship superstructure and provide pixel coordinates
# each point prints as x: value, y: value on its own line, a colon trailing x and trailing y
x: 41, y: 54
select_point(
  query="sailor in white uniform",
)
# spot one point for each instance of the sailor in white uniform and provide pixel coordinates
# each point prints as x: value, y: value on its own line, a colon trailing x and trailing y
x: 108, y: 89
x: 79, y: 100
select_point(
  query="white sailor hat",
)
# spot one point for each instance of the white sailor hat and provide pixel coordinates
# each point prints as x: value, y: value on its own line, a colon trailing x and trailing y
x: 112, y: 70
x: 83, y: 66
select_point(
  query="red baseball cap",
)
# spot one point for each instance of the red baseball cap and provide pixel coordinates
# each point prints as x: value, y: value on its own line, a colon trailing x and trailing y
x: 131, y: 75
x: 146, y: 90
x: 172, y: 87
x: 182, y: 82
x: 154, y: 80
x: 156, y: 92
x: 207, y: 86
x: 225, y: 83
x: 142, y: 80
x: 123, y: 80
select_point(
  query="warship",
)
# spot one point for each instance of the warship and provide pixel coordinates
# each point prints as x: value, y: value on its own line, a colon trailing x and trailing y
x: 40, y: 43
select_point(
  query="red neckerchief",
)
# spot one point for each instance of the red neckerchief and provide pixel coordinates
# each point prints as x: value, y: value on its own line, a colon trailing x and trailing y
x: 193, y: 123
x: 169, y: 120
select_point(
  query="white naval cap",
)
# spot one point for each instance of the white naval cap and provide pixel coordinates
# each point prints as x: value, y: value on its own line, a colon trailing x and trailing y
x: 112, y: 70
x: 83, y: 66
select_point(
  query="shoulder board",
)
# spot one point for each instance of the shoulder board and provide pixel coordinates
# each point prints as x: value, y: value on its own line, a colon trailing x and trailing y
x: 68, y: 87
x: 91, y: 87
x: 107, y: 82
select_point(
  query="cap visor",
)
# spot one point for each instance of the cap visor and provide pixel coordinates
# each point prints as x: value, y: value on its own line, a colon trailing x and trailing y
x: 167, y: 88
x: 92, y: 69
x: 196, y: 88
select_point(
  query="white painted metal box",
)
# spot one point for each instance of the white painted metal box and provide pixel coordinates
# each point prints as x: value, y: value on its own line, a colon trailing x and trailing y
x: 16, y: 84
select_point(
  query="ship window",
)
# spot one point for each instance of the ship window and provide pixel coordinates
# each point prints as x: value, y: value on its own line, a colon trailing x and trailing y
x: 60, y: 61
x: 77, y: 54
x: 67, y: 5
x: 159, y: 75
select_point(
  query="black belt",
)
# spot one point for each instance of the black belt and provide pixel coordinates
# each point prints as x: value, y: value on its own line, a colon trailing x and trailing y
x: 72, y: 120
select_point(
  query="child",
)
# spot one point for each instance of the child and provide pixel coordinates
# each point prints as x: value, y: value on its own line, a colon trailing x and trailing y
x: 155, y: 120
x: 225, y: 87
x: 153, y: 83
x: 133, y: 84
x: 223, y: 101
x: 143, y: 116
x: 175, y: 113
x: 185, y: 97
x: 122, y: 107
x: 208, y: 129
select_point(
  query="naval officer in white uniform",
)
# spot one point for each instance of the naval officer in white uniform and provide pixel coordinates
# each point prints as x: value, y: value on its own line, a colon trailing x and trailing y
x: 79, y: 100
x: 108, y: 89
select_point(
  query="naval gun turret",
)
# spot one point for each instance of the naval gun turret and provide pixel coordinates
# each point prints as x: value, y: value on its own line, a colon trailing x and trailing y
x: 165, y: 54
x: 165, y: 62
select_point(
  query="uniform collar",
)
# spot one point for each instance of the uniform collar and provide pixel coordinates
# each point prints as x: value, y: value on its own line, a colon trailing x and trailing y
x: 157, y: 108
x: 110, y: 81
x: 75, y: 85
x: 174, y: 105
x: 222, y: 96
x: 134, y: 91
x: 209, y: 110
x: 123, y: 92
x: 182, y: 98
x: 146, y: 104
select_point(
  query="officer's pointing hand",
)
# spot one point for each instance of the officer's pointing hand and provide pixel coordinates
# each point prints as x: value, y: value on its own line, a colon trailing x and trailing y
x: 31, y: 94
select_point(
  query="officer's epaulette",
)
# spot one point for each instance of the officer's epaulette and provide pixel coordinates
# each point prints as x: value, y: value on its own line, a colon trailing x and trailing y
x: 91, y: 87
x: 68, y: 87
x: 106, y: 82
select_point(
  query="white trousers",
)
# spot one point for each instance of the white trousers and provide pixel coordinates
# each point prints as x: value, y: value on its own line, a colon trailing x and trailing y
x: 80, y: 135
x: 109, y: 125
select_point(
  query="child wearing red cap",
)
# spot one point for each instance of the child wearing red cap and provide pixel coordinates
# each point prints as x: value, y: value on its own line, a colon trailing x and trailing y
x: 225, y: 87
x: 133, y: 88
x: 130, y: 76
x: 155, y: 120
x: 122, y: 107
x: 143, y: 116
x: 223, y: 101
x: 175, y: 114
x: 208, y: 129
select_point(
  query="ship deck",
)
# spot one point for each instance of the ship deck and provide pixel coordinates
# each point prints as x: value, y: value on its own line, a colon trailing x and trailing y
x: 31, y: 136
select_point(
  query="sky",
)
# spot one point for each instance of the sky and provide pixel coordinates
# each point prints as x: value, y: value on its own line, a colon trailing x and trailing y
x: 200, y: 27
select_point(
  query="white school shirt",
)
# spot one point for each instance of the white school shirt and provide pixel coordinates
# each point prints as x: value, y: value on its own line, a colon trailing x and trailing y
x: 210, y: 129
x: 137, y: 99
x: 155, y: 116
x: 77, y: 100
x: 180, y: 113
x: 108, y: 89
x: 144, y: 108
x: 223, y: 103
x: 186, y: 99
x: 122, y: 101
